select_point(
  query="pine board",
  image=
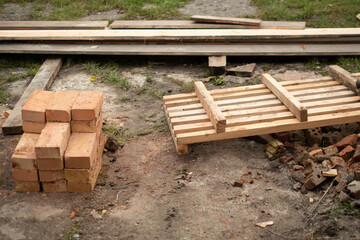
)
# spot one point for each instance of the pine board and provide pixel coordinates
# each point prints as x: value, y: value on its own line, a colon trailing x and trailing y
x: 52, y: 25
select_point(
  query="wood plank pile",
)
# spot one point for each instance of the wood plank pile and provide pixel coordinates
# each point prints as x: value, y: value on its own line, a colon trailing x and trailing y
x: 203, y: 35
x: 62, y: 144
x: 262, y: 109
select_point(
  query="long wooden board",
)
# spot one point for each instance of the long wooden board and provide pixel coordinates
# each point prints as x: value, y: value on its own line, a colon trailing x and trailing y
x: 184, y: 50
x: 186, y: 24
x: 254, y: 110
x: 42, y: 81
x: 52, y: 25
x: 182, y: 34
x: 228, y: 20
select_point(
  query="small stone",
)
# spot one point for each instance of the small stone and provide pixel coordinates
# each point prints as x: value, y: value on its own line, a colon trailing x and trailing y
x: 76, y: 235
x: 95, y: 215
x: 325, y: 163
x: 355, y: 204
x: 304, y: 155
x: 337, y: 161
x: 341, y: 186
x: 113, y: 159
x: 330, y: 150
x: 297, y: 186
x: 353, y: 168
x: 298, y: 176
x: 298, y: 168
x: 357, y: 175
x: 288, y: 157
x: 238, y: 184
x: 344, y: 197
x: 354, y: 189
x: 111, y: 144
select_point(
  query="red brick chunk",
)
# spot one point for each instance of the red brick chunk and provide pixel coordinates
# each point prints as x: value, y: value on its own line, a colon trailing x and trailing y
x: 25, y: 175
x: 81, y: 150
x: 34, y: 108
x: 24, y: 156
x: 33, y: 127
x: 53, y: 140
x: 51, y: 176
x: 59, y: 108
x: 87, y: 106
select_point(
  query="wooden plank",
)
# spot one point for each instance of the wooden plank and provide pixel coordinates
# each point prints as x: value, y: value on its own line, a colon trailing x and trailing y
x: 286, y: 97
x: 213, y: 19
x: 342, y: 34
x: 269, y: 127
x: 217, y: 118
x: 344, y: 77
x: 184, y: 50
x: 186, y: 24
x: 52, y: 25
x: 42, y: 81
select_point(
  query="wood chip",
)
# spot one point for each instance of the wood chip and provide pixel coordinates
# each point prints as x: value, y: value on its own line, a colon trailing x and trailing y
x: 264, y: 224
x: 330, y: 173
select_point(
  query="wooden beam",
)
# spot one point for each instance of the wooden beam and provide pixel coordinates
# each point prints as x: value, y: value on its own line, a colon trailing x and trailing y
x: 286, y: 97
x: 212, y: 19
x: 186, y: 24
x: 217, y: 65
x: 217, y: 118
x: 42, y: 81
x: 184, y: 50
x: 52, y: 25
x: 344, y: 77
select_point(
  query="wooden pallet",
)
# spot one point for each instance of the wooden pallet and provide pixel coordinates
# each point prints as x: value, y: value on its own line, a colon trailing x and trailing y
x: 262, y: 109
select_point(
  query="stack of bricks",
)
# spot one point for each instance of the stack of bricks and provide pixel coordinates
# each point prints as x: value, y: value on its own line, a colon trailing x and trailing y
x: 62, y: 144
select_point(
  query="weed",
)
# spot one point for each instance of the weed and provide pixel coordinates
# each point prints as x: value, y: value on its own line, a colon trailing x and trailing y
x: 154, y: 128
x: 143, y: 116
x: 118, y: 133
x: 155, y: 92
x: 124, y: 98
x: 124, y: 84
x: 180, y: 171
x: 206, y: 74
x: 254, y: 81
x: 150, y: 65
x: 343, y: 207
x: 141, y: 90
x: 149, y: 79
x: 187, y: 87
x: 313, y: 64
x: 218, y: 81
x: 266, y: 67
x: 351, y: 64
x: 74, y: 229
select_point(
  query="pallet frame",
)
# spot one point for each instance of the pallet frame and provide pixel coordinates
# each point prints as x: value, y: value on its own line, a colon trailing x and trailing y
x: 261, y: 109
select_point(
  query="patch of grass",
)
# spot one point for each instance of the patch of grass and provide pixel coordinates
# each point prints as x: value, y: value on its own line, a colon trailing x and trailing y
x: 313, y: 64
x: 149, y: 79
x: 133, y: 9
x: 180, y: 171
x: 141, y: 90
x: 119, y: 134
x: 254, y: 81
x: 108, y: 72
x: 154, y: 128
x: 218, y: 81
x: 187, y: 87
x: 124, y: 98
x: 74, y: 229
x: 320, y: 14
x: 351, y: 64
x: 343, y: 208
x: 206, y: 74
x: 157, y: 93
x: 266, y: 67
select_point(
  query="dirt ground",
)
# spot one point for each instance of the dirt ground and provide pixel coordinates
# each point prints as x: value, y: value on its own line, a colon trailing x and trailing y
x: 145, y: 187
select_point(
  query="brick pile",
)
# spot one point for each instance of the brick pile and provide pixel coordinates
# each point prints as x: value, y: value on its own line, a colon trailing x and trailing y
x: 62, y: 144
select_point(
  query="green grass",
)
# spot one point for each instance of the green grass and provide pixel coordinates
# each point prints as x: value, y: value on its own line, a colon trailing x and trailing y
x: 119, y: 134
x: 108, y: 72
x: 131, y: 9
x: 74, y: 229
x: 154, y: 128
x: 316, y: 13
x: 351, y: 64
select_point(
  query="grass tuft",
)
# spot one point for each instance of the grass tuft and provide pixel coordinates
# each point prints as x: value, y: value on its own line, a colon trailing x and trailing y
x: 119, y: 134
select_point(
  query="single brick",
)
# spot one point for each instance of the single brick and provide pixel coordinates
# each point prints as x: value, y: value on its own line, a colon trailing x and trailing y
x: 88, y: 186
x: 34, y: 108
x: 86, y: 126
x: 27, y: 186
x: 53, y: 140
x: 50, y: 163
x: 25, y: 175
x: 59, y: 109
x: 56, y: 186
x: 33, y: 127
x: 24, y: 156
x: 81, y: 150
x: 87, y: 106
x: 51, y: 176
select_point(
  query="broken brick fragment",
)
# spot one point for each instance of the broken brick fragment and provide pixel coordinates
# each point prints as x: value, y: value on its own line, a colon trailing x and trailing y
x: 347, y: 152
x: 330, y: 150
x: 348, y: 140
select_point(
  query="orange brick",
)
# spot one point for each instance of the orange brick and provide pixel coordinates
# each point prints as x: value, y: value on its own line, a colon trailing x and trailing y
x: 81, y: 150
x: 85, y: 181
x: 50, y: 163
x: 27, y: 186
x: 59, y: 109
x: 34, y: 108
x: 87, y: 106
x: 51, y: 176
x: 33, y: 127
x: 86, y: 126
x: 24, y: 155
x: 53, y: 140
x: 56, y: 186
x: 25, y: 175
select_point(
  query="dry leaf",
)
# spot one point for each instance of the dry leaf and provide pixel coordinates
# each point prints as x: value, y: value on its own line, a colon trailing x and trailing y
x: 311, y: 200
x: 264, y: 224
x: 93, y: 78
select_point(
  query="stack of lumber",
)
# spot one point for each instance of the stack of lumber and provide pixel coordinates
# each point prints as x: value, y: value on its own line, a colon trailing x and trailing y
x: 62, y: 144
x: 203, y: 35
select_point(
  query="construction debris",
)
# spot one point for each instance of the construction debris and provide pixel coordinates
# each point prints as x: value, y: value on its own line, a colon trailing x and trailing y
x: 52, y: 155
x: 244, y: 70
